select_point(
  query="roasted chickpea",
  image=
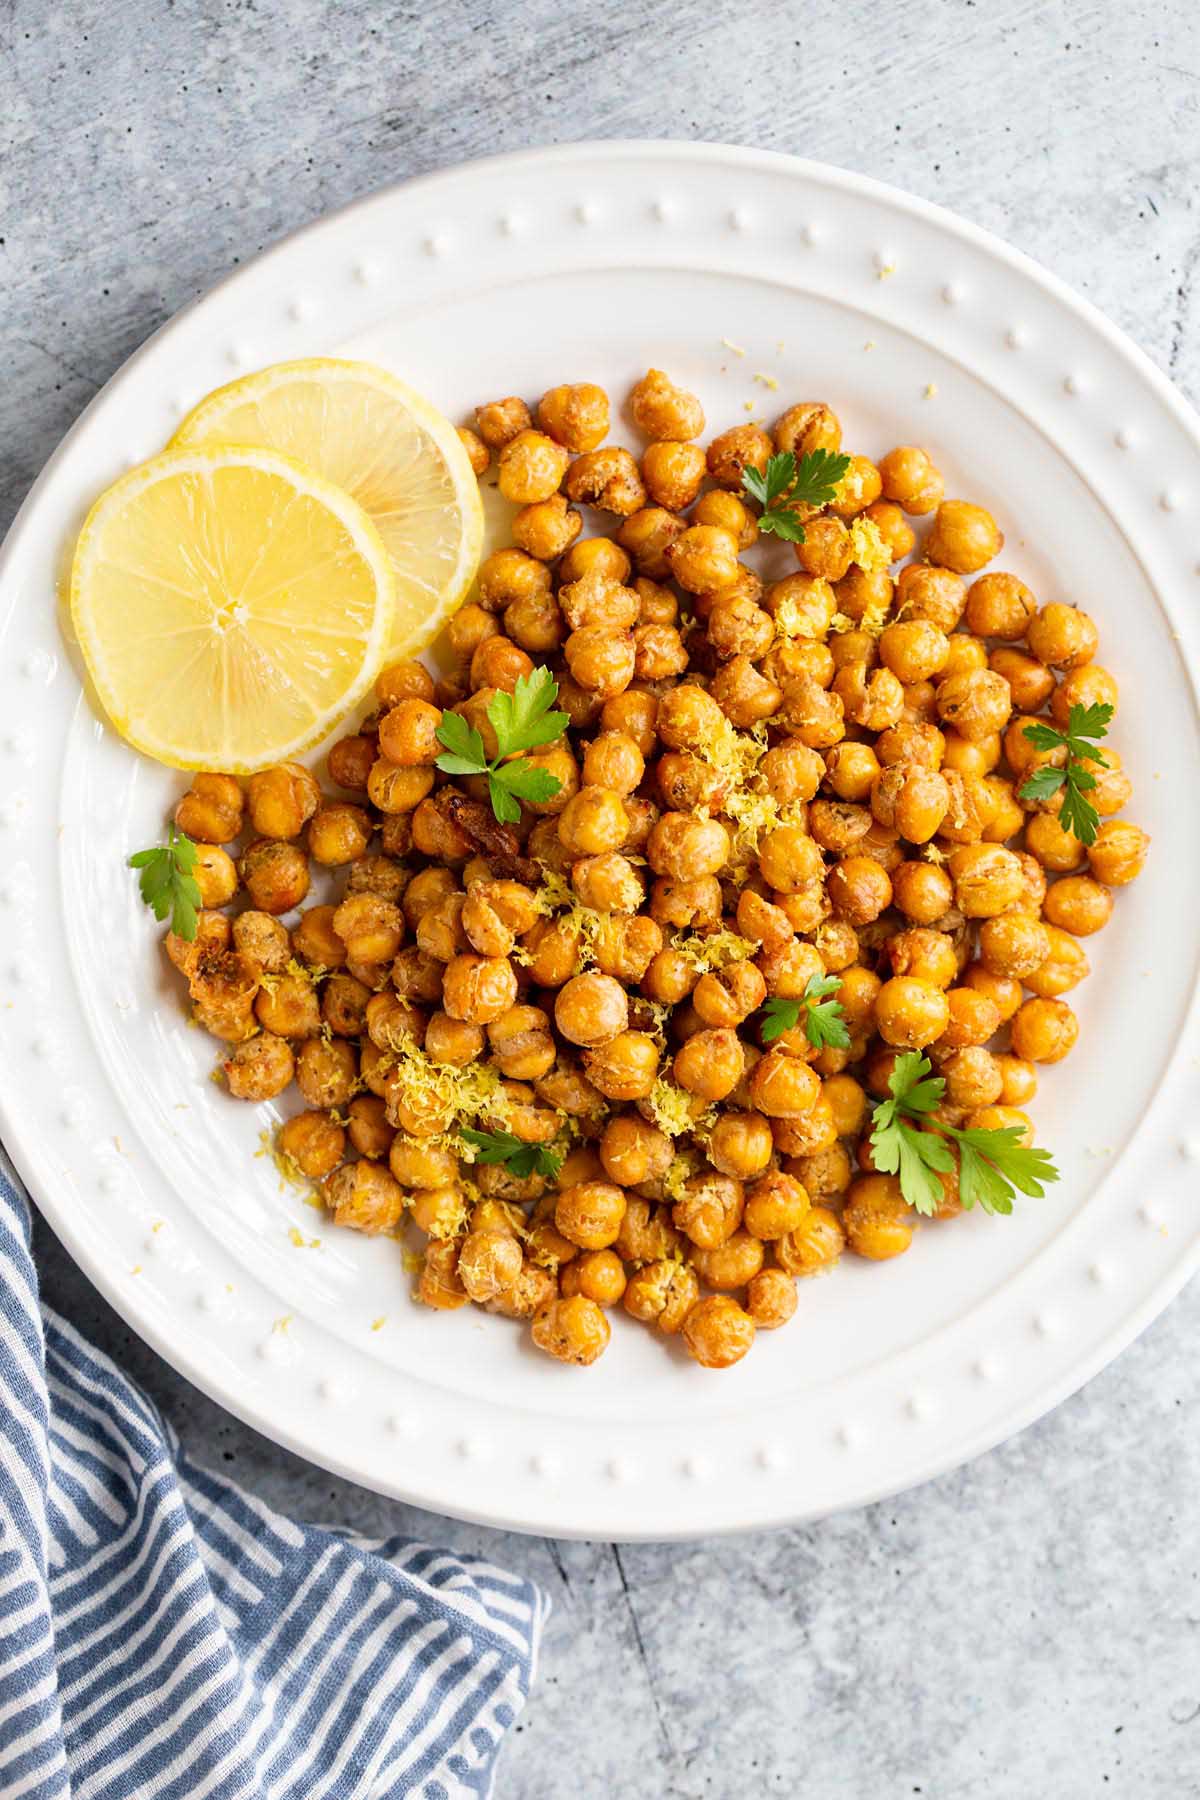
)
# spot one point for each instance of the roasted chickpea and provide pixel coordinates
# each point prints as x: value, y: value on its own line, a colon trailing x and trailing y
x: 289, y: 1006
x: 892, y: 526
x: 914, y: 649
x: 1044, y: 1031
x: 613, y: 760
x: 211, y: 810
x: 275, y: 875
x: 575, y: 415
x: 710, y: 1064
x: 315, y: 940
x: 925, y: 955
x: 350, y: 761
x: 910, y: 1013
x: 215, y: 874
x: 263, y: 941
x: 591, y: 1009
x: 741, y: 1144
x: 281, y: 800
x: 703, y: 559
x: 673, y: 473
x: 1078, y: 904
x: 724, y: 998
x: 827, y: 550
x: 686, y: 847
x: 814, y: 1245
x: 478, y: 988
x: 775, y: 1205
x: 259, y: 1068
x: 597, y: 1274
x: 964, y: 537
x: 648, y: 535
x: 601, y: 660
x: 658, y: 653
x: 717, y: 1332
x: 633, y: 1151
x: 936, y: 594
x: 326, y: 1074
x: 807, y: 426
x: 1029, y: 683
x: 999, y: 606
x: 974, y: 1018
x: 607, y: 478
x: 783, y: 1087
x: 1052, y: 845
x: 733, y: 452
x: 477, y: 451
x: 530, y: 467
x: 1118, y: 855
x: 910, y: 479
x: 731, y: 1264
x: 590, y: 1214
x: 593, y: 821
x: 977, y: 702
x: 213, y: 934
x: 662, y: 1294
x: 371, y: 929
x: 624, y: 1068
x: 877, y: 1222
x: 859, y: 889
x: 338, y: 833
x: 573, y: 1330
x: 663, y: 411
x: 987, y: 880
x: 545, y: 529
x: 344, y: 1001
x: 313, y: 1141
x: 1018, y: 1080
x: 499, y: 421
x: 1063, y: 637
x: 1088, y: 685
x: 973, y: 1078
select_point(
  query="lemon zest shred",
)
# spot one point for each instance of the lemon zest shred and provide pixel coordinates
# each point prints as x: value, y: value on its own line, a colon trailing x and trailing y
x: 867, y: 548
x: 673, y: 1110
x: 464, y: 1094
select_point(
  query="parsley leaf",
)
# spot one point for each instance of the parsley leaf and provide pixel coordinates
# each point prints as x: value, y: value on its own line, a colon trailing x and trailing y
x: 519, y: 1158
x: 786, y: 485
x: 825, y: 1021
x: 522, y: 721
x: 778, y: 1016
x: 167, y: 884
x: 1086, y: 725
x: 991, y: 1164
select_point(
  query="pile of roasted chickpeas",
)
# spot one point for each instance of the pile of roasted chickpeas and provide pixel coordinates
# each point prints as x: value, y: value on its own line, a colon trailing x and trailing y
x: 760, y: 783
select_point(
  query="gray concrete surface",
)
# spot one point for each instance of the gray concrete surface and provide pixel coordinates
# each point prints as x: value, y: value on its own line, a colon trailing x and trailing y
x: 1028, y: 1627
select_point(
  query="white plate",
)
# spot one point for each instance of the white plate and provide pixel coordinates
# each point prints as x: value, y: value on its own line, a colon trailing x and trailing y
x: 735, y: 270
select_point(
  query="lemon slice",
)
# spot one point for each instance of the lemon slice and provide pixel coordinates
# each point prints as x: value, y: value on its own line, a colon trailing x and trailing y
x: 231, y: 606
x: 401, y: 460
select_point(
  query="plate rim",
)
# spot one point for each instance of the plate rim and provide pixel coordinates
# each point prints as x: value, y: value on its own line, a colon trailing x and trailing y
x: 29, y: 1158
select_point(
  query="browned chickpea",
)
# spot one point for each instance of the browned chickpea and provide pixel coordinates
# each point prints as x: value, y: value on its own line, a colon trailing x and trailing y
x: 496, y: 913
x: 973, y: 1078
x: 1063, y: 637
x: 1078, y: 904
x: 625, y: 1068
x: 775, y: 1205
x: 440, y: 932
x: 626, y: 947
x: 859, y: 488
x: 608, y: 883
x: 545, y: 529
x: 783, y: 1086
x: 827, y: 550
x: 974, y: 1018
x: 535, y: 624
x: 488, y: 1263
x: 663, y: 411
x: 590, y: 1214
x: 725, y: 997
x: 662, y: 1294
x: 745, y: 695
x: 601, y: 660
x: 407, y: 680
x: 1018, y: 1080
x: 633, y: 1151
x: 731, y: 1264
x: 873, y: 700
x: 364, y: 1197
x: 1044, y: 1031
x: 734, y: 451
x: 709, y: 1209
x: 965, y: 655
x: 499, y: 421
x: 761, y: 921
x: 936, y: 594
x: 289, y: 1007
x: 909, y: 1013
x: 391, y: 788
x: 344, y: 1003
x: 575, y: 415
x: 591, y: 1009
x: 478, y: 988
x: 728, y: 513
x: 924, y: 954
x: 1113, y: 790
x: 987, y: 880
x: 1118, y: 855
x: 371, y: 929
x: 597, y: 1274
x: 573, y: 1330
x: 703, y: 559
x: 710, y: 1064
x: 892, y: 526
x: 314, y: 1142
x: 338, y: 833
x: 275, y: 875
x: 741, y: 1144
x: 222, y: 986
x: 847, y: 1103
x: 648, y: 535
x: 215, y: 874
x: 964, y: 537
x: 789, y: 859
x: 281, y: 800
x: 672, y: 473
x: 859, y: 889
x: 213, y: 934
x: 686, y: 847
x: 425, y: 892
x: 814, y: 1245
x: 315, y: 940
x: 521, y: 1043
x: 530, y: 467
x: 977, y: 703
x: 408, y: 731
x: 914, y: 649
x: 809, y: 425
x: 910, y: 479
x: 658, y: 653
x: 977, y: 756
x: 350, y: 761
x: 1052, y: 846
x: 717, y: 1332
x: 598, y: 557
x: 738, y: 627
x: 1088, y: 685
x: 326, y: 1074
x: 477, y: 451
x: 259, y: 1068
x: 1029, y: 682
x: 497, y: 665
x: 438, y: 1284
x: 771, y: 1299
x: 812, y: 715
x: 263, y: 941
x: 801, y: 605
x: 999, y: 606
x: 211, y: 810
x: 368, y: 1128
x: 613, y: 760
x: 593, y: 821
x: 688, y: 719
x: 877, y: 1222
x: 1014, y: 944
x: 609, y: 479
x: 851, y: 770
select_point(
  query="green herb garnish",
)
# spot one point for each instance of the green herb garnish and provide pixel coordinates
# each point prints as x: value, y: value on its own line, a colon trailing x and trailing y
x: 167, y: 883
x: 784, y: 486
x: 519, y: 1158
x: 824, y: 1019
x: 1085, y: 726
x: 991, y: 1164
x: 522, y: 721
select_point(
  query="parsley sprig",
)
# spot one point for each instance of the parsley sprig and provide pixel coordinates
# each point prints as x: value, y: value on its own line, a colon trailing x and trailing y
x: 1085, y: 726
x: 824, y: 1019
x: 167, y: 883
x: 522, y: 721
x: 907, y: 1141
x: 519, y: 1158
x: 785, y: 485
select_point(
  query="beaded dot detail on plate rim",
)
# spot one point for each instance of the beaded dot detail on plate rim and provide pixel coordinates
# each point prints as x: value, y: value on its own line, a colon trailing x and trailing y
x: 402, y: 1424
x: 1100, y: 1274
x: 1015, y: 337
x: 772, y: 1457
x: 988, y: 1368
x: 1170, y: 500
x: 618, y: 1469
x: 545, y: 1464
x: 586, y: 212
x: 952, y: 292
x: 921, y: 1407
x: 850, y: 1436
x: 1047, y: 1324
x: 1124, y: 438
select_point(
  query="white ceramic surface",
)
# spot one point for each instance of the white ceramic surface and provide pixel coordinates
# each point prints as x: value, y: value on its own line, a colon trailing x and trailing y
x: 736, y: 271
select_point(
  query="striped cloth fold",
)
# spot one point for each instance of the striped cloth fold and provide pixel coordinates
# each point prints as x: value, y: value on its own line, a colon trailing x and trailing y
x: 166, y: 1636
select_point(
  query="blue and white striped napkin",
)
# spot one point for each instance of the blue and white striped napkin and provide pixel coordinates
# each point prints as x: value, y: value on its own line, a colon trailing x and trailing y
x: 165, y: 1636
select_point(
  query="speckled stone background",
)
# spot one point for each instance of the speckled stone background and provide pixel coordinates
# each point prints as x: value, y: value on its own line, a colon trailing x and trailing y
x: 1029, y: 1627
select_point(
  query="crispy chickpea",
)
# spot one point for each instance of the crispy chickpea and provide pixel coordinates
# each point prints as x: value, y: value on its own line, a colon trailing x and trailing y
x: 338, y: 833
x: 573, y: 1330
x: 1118, y: 855
x: 987, y: 880
x: 626, y: 947
x: 733, y: 452
x: 910, y: 479
x: 1018, y: 1080
x: 390, y: 788
x: 1063, y: 637
x: 531, y: 467
x: 478, y: 454
x: 686, y: 847
x: 877, y: 1222
x: 609, y: 479
x: 648, y: 535
x: 873, y: 699
x: 326, y: 1074
x: 275, y: 875
x: 914, y: 649
x: 591, y: 1009
x: 213, y: 933
x: 703, y: 559
x: 741, y: 1144
x: 601, y: 660
x: 859, y: 889
x: 259, y: 1068
x: 783, y: 1086
x: 488, y: 1263
x: 350, y: 761
x: 771, y: 1298
x: 977, y: 702
x: 625, y: 1068
x: 614, y: 760
x: 892, y: 526
x: 633, y: 1151
x: 1044, y: 1031
x: 313, y: 1141
x: 775, y: 1204
x: 662, y: 1294
x: 593, y: 821
x: 999, y: 606
x: 745, y: 695
x: 731, y: 1264
x: 1078, y: 904
x: 371, y: 929
x: 282, y: 800
x: 739, y: 627
x: 673, y: 472
x: 710, y: 1064
x: 717, y: 1332
x: 909, y: 1013
x: 1013, y: 944
x: 405, y: 680
x: 807, y: 426
x: 364, y: 1196
x: 368, y: 1128
x: 470, y: 626
x: 438, y: 1284
x: 936, y: 594
x: 456, y: 1042
x: 535, y: 624
x: 1088, y: 685
x: 421, y: 1166
x: 974, y: 1018
x: 598, y: 557
x: 1052, y: 845
x: 973, y: 1078
x: 814, y: 1245
x: 1064, y: 967
x: 590, y: 1214
x: 544, y: 529
x: 725, y: 510
x: 859, y: 488
x: 315, y: 940
x: 344, y: 1001
x: 725, y: 997
x: 408, y: 732
x: 215, y: 874
x: 662, y: 411
x: 924, y: 954
x: 223, y: 985
x: 1029, y: 683
x: 211, y: 810
x: 789, y: 859
x: 827, y: 550
x: 263, y: 941
x: 575, y: 415
x: 499, y: 421
x: 521, y: 1043
x: 478, y: 988
x: 658, y: 653
x: 913, y: 801
x: 964, y: 537
x: 597, y: 1274
x: 289, y: 1006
